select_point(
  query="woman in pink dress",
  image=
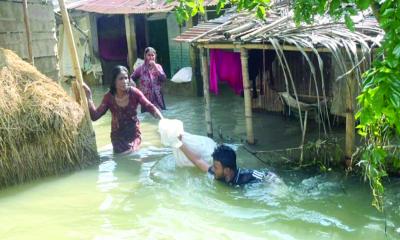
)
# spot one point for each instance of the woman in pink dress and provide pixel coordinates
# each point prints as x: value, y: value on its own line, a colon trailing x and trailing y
x: 151, y: 77
x: 122, y: 102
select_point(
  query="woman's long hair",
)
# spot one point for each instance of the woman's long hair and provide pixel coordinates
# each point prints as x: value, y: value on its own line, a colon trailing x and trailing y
x: 114, y: 74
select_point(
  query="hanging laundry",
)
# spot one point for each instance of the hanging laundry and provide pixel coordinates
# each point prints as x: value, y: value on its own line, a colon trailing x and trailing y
x: 226, y: 67
x: 113, y: 48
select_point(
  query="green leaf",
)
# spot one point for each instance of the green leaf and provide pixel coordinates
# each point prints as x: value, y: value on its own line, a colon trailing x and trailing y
x: 321, y: 7
x: 396, y: 50
x: 388, y: 12
x: 201, y: 8
x: 363, y: 4
x: 261, y: 12
x: 220, y: 5
x: 190, y: 4
x: 335, y: 4
x: 349, y: 22
x: 194, y: 11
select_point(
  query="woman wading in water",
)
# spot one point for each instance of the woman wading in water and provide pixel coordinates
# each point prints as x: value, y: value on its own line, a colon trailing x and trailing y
x: 151, y: 77
x: 122, y: 102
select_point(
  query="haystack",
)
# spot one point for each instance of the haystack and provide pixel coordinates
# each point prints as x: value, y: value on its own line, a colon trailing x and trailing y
x: 43, y: 131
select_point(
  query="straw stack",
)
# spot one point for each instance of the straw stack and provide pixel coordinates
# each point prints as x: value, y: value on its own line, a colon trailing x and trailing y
x: 42, y: 130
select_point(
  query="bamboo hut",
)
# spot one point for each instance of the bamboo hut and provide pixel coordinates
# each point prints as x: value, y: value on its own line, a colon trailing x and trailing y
x: 43, y: 131
x: 303, y: 68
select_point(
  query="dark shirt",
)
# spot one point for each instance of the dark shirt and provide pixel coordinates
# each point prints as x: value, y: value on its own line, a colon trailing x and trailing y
x: 244, y: 176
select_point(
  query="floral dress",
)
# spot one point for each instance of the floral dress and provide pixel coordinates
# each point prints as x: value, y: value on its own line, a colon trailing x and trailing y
x: 150, y: 84
x: 125, y: 126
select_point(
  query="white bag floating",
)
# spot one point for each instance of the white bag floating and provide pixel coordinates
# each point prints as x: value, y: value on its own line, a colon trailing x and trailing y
x: 183, y: 75
x: 202, y: 146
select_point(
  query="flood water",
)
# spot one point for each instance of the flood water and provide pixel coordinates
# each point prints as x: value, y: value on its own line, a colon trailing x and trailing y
x: 145, y: 196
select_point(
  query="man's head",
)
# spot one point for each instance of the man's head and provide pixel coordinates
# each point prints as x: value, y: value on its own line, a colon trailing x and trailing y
x: 224, y: 162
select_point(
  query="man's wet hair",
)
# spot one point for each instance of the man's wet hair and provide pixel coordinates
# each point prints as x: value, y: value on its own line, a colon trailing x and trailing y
x: 226, y: 156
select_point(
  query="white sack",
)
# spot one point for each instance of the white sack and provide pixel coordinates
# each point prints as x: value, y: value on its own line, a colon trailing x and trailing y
x: 183, y: 75
x: 200, y: 145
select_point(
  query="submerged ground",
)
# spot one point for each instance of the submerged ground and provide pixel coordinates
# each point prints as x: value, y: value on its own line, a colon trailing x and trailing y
x: 145, y: 196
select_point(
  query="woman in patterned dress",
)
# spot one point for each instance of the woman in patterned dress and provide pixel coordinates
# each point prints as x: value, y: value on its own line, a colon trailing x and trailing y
x: 122, y: 102
x: 151, y: 77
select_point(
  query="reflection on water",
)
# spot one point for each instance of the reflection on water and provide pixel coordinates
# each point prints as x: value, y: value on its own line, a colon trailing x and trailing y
x: 143, y: 195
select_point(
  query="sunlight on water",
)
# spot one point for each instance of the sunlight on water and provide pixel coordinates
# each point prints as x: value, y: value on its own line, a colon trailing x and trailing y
x: 143, y: 195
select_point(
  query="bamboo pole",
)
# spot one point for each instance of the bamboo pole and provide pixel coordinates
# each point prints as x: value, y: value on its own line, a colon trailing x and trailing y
x: 75, y: 60
x: 130, y: 40
x: 350, y: 121
x: 257, y: 46
x: 28, y: 32
x: 206, y: 92
x: 247, y: 96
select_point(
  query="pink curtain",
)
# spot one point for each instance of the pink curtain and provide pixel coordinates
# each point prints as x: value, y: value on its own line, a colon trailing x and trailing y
x: 113, y: 48
x: 226, y: 67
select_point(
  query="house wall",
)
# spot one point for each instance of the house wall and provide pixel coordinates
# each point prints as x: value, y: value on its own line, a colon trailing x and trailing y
x: 86, y: 43
x: 179, y: 52
x: 42, y: 24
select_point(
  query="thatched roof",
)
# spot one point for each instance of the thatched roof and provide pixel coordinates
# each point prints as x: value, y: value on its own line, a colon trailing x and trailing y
x: 245, y: 28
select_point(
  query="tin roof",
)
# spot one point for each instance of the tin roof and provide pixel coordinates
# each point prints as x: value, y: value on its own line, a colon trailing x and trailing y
x: 127, y: 6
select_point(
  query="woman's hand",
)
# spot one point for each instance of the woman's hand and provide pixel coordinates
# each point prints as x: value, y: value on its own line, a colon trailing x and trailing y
x: 160, y: 116
x: 152, y: 63
x: 87, y: 91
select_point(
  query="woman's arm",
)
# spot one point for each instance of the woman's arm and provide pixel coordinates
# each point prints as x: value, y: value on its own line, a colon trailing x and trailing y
x: 136, y: 74
x: 144, y: 102
x: 95, y: 113
x: 162, y: 77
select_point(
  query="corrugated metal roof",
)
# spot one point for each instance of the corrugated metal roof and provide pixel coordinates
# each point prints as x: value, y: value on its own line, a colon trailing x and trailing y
x: 127, y: 6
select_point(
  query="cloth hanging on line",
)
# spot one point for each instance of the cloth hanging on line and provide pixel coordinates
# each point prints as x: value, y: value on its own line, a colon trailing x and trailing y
x: 226, y: 67
x: 113, y: 48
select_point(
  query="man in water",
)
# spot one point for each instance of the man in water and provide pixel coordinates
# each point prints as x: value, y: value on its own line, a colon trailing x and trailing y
x: 224, y: 167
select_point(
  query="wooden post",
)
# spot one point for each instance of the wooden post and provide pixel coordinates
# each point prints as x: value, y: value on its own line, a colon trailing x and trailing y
x: 350, y: 122
x: 206, y: 92
x: 75, y: 59
x: 61, y: 52
x: 247, y: 96
x: 28, y: 32
x: 130, y: 40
